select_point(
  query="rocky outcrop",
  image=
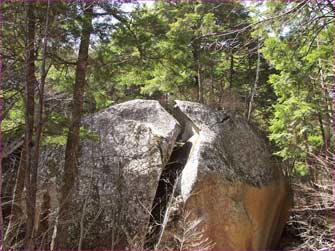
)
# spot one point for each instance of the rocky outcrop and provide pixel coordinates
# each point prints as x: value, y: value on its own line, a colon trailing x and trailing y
x: 146, y: 175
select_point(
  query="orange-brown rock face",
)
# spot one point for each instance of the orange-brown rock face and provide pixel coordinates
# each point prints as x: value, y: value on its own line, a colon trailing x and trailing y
x: 238, y: 216
x: 230, y: 182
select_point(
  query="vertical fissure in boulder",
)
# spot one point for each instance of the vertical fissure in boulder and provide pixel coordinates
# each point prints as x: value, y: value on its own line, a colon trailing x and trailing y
x: 169, y: 177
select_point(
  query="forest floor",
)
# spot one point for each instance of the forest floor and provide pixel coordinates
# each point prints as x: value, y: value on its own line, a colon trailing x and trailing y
x: 311, y: 223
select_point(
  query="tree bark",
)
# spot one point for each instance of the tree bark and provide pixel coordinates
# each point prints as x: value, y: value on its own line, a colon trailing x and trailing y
x: 200, y: 84
x: 322, y: 130
x: 1, y: 115
x: 39, y: 120
x: 220, y: 83
x: 231, y: 70
x: 253, y: 93
x: 73, y: 139
x: 29, y: 122
x: 249, y: 74
x: 326, y: 104
x: 212, y: 81
x: 197, y: 69
x: 42, y: 234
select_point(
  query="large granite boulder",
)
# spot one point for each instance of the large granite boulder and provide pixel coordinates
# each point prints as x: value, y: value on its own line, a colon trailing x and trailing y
x: 191, y: 178
x: 123, y: 152
x: 231, y: 191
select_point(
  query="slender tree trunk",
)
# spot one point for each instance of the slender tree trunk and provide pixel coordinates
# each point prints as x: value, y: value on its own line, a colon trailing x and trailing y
x: 220, y: 91
x: 212, y: 82
x: 231, y: 70
x: 39, y: 124
x: 326, y: 104
x: 73, y: 139
x: 197, y: 68
x: 247, y: 98
x: 200, y: 84
x: 253, y: 93
x: 39, y: 121
x: 42, y: 234
x: 1, y: 118
x: 29, y: 123
x: 322, y: 130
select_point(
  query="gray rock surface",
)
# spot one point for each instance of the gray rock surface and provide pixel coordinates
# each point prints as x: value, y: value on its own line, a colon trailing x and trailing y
x: 230, y: 181
x: 122, y: 157
x: 145, y: 173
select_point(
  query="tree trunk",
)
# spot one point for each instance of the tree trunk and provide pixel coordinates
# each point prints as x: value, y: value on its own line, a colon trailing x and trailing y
x: 212, y: 82
x: 322, y: 130
x: 220, y: 91
x: 197, y: 68
x: 231, y: 71
x: 29, y: 123
x: 200, y: 84
x: 73, y: 139
x: 249, y: 74
x: 39, y: 121
x: 327, y: 106
x: 42, y: 233
x: 253, y: 93
x: 1, y: 116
